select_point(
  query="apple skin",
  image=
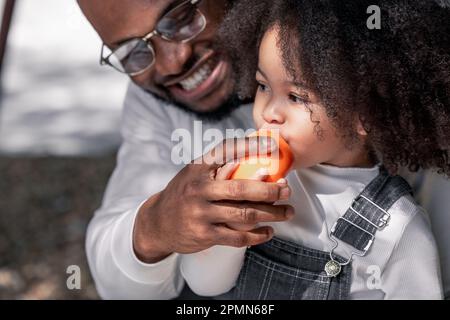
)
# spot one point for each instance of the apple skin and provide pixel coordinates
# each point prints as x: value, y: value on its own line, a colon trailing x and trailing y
x: 277, y: 164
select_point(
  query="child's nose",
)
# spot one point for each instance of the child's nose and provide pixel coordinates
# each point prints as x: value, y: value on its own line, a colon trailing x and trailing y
x: 272, y: 114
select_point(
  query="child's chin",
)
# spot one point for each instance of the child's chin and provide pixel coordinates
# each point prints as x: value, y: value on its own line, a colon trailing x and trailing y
x: 298, y: 165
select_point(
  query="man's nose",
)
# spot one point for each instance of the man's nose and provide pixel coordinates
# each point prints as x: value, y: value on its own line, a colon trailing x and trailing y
x: 171, y: 57
x: 273, y: 113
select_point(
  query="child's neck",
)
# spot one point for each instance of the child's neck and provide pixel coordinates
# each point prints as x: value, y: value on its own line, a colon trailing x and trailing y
x: 357, y: 158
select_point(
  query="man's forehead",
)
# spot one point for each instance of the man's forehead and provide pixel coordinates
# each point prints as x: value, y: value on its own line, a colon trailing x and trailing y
x: 116, y: 20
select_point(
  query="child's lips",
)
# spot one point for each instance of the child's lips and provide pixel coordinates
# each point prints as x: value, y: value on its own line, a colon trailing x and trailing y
x: 281, y: 134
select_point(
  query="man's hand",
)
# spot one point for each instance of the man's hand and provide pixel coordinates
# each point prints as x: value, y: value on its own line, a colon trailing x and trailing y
x: 191, y: 214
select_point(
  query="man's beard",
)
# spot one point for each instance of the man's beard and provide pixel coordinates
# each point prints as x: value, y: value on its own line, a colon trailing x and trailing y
x: 232, y: 103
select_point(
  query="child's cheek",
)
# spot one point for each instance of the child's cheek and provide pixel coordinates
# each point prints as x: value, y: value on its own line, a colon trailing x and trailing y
x: 303, y: 154
x: 257, y: 116
x: 259, y: 122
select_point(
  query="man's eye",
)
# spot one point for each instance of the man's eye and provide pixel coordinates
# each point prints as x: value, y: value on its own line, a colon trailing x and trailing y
x: 173, y: 22
x: 186, y: 17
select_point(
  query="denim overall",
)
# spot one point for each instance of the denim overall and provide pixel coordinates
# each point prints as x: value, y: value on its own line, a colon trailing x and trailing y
x: 281, y: 269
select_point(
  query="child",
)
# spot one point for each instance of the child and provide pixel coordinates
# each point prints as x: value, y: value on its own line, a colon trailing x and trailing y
x: 354, y: 104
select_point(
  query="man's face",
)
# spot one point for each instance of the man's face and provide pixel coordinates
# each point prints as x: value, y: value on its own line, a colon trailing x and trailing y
x: 194, y: 74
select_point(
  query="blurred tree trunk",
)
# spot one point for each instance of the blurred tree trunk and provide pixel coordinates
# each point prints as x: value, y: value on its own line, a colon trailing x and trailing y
x: 8, y: 11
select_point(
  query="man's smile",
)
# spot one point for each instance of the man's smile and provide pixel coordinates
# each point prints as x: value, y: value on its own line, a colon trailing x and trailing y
x: 203, y: 78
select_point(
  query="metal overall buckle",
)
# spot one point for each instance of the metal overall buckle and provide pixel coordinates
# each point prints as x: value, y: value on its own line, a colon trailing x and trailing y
x: 334, y: 267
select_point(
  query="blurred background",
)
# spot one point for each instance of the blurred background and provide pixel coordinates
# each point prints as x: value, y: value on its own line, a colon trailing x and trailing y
x: 59, y: 132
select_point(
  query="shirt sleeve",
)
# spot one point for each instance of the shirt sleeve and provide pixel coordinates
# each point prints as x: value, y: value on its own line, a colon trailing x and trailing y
x: 143, y: 169
x: 412, y: 271
x: 213, y: 271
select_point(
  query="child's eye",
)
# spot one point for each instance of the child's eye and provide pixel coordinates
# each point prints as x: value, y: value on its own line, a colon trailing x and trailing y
x: 262, y: 87
x: 296, y: 99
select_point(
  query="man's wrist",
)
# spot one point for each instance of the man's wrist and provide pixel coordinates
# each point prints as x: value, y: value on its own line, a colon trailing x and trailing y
x: 152, y: 257
x: 147, y: 247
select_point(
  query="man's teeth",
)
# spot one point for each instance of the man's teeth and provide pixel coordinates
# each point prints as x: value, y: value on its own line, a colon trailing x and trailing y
x: 196, y: 79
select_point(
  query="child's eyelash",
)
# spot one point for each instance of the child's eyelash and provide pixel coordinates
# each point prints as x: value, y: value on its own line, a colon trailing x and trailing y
x: 293, y: 97
x: 262, y: 87
x: 297, y: 99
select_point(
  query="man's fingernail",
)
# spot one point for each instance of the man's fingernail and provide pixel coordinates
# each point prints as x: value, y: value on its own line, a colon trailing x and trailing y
x: 282, y: 181
x: 285, y: 193
x: 289, y: 213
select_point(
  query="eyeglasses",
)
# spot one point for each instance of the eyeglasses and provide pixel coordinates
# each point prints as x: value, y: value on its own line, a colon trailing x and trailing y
x: 181, y: 24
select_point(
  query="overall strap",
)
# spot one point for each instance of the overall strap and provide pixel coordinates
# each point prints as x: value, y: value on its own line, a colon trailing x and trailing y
x: 368, y: 212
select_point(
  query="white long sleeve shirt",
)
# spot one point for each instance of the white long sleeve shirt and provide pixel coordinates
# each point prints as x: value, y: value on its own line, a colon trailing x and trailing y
x: 402, y: 263
x: 144, y: 167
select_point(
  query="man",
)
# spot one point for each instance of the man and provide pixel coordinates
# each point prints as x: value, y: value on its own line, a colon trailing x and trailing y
x: 154, y: 209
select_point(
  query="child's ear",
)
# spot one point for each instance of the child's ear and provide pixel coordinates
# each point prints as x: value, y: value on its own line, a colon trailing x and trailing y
x: 360, y: 128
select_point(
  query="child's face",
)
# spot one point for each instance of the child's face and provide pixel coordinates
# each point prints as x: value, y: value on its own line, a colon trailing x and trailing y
x: 284, y: 105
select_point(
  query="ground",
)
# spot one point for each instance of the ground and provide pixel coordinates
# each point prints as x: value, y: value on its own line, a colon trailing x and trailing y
x: 59, y: 129
x: 46, y: 204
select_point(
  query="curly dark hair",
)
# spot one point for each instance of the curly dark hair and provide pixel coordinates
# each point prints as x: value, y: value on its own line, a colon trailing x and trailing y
x: 395, y: 79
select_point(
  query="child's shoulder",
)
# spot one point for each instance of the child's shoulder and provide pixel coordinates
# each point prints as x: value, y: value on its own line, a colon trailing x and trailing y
x: 407, y: 210
x: 408, y: 224
x: 406, y: 214
x: 415, y: 220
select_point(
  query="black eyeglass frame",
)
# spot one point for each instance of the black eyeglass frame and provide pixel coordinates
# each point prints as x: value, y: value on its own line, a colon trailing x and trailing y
x: 146, y: 38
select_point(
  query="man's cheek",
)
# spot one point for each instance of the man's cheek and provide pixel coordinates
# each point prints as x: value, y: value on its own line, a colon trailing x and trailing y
x: 146, y: 83
x: 146, y: 79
